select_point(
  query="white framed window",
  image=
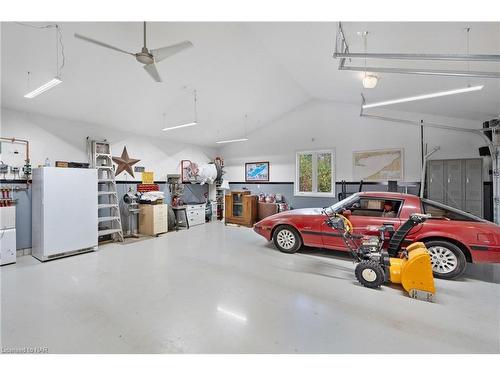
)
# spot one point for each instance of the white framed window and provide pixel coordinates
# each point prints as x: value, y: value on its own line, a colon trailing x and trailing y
x: 315, y: 173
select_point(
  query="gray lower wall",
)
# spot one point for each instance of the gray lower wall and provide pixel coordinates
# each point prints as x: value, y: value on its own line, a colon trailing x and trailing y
x: 196, y: 193
x: 193, y: 193
x: 287, y: 190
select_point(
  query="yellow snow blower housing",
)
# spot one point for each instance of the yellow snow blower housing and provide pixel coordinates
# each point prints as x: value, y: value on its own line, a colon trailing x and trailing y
x: 414, y: 272
x: 411, y: 267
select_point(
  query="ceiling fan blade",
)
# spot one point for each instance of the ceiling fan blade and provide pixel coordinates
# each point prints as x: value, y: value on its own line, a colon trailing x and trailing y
x: 87, y: 39
x: 164, y: 52
x: 153, y: 72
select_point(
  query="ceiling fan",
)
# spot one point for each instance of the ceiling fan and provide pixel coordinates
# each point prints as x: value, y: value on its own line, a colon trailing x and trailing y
x: 147, y: 57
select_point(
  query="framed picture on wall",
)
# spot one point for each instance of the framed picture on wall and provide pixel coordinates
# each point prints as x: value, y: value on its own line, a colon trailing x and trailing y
x: 378, y: 165
x: 257, y: 171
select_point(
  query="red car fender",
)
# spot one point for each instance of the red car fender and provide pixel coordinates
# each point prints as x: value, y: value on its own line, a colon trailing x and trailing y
x: 434, y: 234
x: 283, y: 222
x: 266, y: 229
x: 310, y: 240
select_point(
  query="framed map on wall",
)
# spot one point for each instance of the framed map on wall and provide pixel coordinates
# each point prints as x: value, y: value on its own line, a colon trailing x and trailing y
x: 378, y: 165
x: 257, y: 171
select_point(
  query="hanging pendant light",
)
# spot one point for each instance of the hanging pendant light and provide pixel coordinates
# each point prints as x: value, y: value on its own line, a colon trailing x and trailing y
x: 369, y: 80
x: 57, y: 79
x: 185, y: 125
x: 243, y: 139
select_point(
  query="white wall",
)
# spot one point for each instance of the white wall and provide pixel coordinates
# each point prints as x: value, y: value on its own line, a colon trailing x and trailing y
x: 322, y: 125
x: 60, y: 139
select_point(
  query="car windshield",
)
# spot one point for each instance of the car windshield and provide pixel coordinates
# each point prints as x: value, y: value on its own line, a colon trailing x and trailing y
x: 343, y: 203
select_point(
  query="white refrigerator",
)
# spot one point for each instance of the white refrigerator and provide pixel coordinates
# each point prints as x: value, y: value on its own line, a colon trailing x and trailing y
x: 64, y: 211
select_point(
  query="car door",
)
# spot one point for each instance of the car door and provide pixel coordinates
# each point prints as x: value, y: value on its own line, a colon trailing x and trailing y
x: 368, y: 225
x: 330, y: 237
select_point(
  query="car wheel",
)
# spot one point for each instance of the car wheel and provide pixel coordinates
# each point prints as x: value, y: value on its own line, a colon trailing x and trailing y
x: 448, y: 260
x: 287, y: 239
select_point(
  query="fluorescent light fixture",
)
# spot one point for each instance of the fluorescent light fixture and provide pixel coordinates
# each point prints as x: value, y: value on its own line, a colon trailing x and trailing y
x: 233, y: 140
x: 43, y: 88
x: 370, y: 81
x: 180, y: 126
x: 425, y: 96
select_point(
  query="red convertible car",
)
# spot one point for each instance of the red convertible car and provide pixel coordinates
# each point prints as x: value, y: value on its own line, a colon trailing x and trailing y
x: 453, y: 237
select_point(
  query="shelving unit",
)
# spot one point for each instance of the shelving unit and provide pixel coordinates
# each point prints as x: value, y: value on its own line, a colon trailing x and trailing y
x: 219, y: 197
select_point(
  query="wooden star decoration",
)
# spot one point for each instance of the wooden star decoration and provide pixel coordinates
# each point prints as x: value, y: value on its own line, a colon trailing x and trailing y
x: 125, y: 163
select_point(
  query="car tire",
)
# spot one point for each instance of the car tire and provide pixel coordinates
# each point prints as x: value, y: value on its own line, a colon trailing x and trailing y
x: 448, y: 260
x: 370, y: 274
x: 287, y: 239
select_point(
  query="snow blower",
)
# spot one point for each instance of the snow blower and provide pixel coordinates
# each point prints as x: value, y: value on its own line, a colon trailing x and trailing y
x: 379, y: 263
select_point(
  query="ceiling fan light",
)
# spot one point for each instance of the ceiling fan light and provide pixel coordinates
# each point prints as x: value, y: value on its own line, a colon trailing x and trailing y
x: 370, y: 81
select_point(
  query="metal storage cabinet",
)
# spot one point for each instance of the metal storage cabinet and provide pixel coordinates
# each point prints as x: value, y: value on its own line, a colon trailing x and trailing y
x: 435, y: 181
x: 457, y: 183
x: 474, y: 186
x: 454, y: 183
x: 64, y: 211
x: 195, y: 214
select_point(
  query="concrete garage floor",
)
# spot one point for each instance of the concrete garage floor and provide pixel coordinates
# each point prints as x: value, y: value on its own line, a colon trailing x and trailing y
x: 217, y: 289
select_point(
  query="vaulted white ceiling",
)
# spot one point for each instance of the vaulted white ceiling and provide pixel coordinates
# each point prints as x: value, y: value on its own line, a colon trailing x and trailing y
x: 305, y: 51
x: 259, y: 69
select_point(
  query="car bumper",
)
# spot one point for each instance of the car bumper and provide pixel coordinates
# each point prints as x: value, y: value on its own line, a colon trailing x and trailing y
x: 485, y: 254
x: 263, y: 230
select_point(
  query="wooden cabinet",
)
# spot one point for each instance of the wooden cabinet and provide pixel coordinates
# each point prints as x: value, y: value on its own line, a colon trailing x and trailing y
x: 241, y: 208
x: 266, y: 209
x: 153, y: 219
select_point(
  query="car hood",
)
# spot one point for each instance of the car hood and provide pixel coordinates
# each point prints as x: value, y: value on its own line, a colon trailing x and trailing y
x: 300, y: 211
x: 289, y: 214
x: 305, y: 211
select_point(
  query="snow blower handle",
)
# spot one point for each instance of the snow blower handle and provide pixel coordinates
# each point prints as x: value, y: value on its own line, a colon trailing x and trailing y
x: 419, y: 218
x: 338, y: 221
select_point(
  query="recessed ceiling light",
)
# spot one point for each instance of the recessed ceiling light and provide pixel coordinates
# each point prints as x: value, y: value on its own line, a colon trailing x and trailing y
x: 425, y: 96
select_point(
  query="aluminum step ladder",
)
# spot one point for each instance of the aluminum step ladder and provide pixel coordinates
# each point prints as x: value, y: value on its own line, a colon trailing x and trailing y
x: 108, y: 210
